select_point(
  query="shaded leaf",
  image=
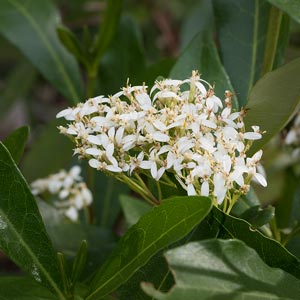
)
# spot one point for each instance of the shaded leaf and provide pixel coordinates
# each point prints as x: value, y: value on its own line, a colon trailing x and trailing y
x: 23, y: 236
x: 133, y: 208
x: 258, y: 216
x: 271, y: 251
x: 22, y: 288
x: 201, y: 54
x: 242, y: 27
x: 163, y: 225
x: 16, y: 141
x: 273, y: 101
x: 49, y: 153
x: 17, y: 85
x: 291, y: 7
x: 237, y: 272
x: 125, y: 61
x: 30, y: 25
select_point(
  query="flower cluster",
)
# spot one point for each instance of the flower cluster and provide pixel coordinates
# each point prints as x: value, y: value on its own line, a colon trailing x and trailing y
x: 180, y: 127
x: 293, y: 136
x: 69, y: 191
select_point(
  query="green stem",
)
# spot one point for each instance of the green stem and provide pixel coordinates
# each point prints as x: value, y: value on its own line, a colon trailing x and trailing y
x: 274, y: 25
x: 293, y: 233
x: 159, y: 191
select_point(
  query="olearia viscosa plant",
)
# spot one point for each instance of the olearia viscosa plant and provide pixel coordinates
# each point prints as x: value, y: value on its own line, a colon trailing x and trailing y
x: 181, y: 128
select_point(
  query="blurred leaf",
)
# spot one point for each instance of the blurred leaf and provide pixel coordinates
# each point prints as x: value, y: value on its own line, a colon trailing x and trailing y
x: 258, y: 216
x: 124, y: 58
x: 49, y: 153
x: 287, y: 207
x: 22, y: 288
x: 271, y: 251
x: 273, y: 101
x: 23, y: 236
x: 16, y: 86
x: 291, y: 7
x: 133, y: 208
x: 163, y: 225
x: 108, y: 27
x: 69, y: 40
x: 106, y: 194
x: 199, y: 18
x: 100, y: 241
x: 30, y: 25
x: 15, y: 143
x: 242, y: 27
x: 217, y: 269
x: 201, y: 54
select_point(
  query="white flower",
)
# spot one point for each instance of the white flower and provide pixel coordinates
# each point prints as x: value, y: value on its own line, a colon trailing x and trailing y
x: 70, y: 193
x: 180, y: 128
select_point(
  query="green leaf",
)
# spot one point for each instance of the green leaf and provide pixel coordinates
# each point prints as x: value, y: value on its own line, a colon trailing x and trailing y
x: 242, y: 27
x: 291, y: 7
x: 122, y: 62
x: 271, y: 251
x: 16, y: 141
x: 16, y: 86
x: 258, y: 216
x: 23, y: 236
x: 273, y: 101
x: 49, y: 153
x: 155, y: 271
x: 108, y: 27
x: 133, y: 208
x: 163, y: 225
x: 30, y: 25
x: 218, y: 269
x: 201, y: 54
x: 22, y: 288
x: 69, y: 40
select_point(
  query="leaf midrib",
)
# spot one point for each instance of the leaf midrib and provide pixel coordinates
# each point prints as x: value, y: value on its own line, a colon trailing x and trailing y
x: 48, y: 46
x: 141, y: 253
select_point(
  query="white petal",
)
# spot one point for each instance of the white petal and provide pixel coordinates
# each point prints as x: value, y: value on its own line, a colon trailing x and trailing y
x: 115, y: 169
x: 191, y: 190
x: 205, y: 188
x: 261, y: 179
x: 64, y: 113
x: 94, y: 139
x: 160, y: 137
x: 94, y: 163
x: 93, y: 151
x: 252, y: 136
x: 72, y: 213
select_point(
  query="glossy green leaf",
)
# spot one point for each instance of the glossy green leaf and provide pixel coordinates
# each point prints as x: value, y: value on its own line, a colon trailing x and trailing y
x: 155, y: 271
x: 16, y: 141
x: 201, y: 54
x: 291, y: 7
x: 122, y: 62
x: 30, y: 25
x: 163, y: 225
x: 133, y: 208
x: 49, y: 153
x: 218, y: 269
x: 22, y: 288
x: 23, y: 236
x: 271, y: 251
x: 273, y: 101
x: 258, y: 216
x: 242, y: 27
